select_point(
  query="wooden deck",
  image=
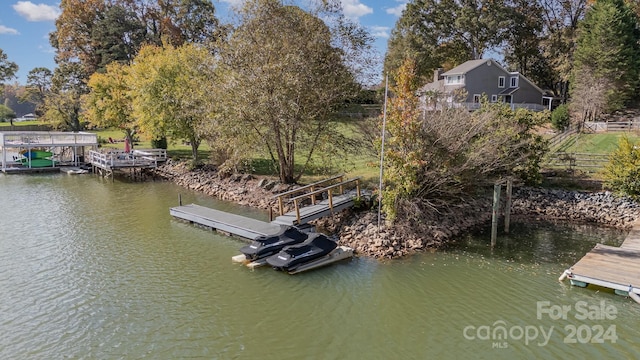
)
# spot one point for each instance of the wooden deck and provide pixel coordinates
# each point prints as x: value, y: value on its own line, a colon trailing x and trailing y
x: 616, y: 268
x: 106, y: 163
x: 229, y: 223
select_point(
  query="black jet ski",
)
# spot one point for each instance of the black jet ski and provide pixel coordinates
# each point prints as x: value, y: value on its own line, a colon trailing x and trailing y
x: 316, y: 246
x: 270, y: 244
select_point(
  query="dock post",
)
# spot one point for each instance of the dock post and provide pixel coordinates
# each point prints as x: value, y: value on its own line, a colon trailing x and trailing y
x: 331, y: 201
x: 180, y: 199
x: 507, y: 208
x: 280, y: 205
x: 295, y: 203
x: 494, y: 216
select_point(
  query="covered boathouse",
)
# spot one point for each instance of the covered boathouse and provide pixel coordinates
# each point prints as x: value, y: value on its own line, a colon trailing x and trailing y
x: 28, y: 151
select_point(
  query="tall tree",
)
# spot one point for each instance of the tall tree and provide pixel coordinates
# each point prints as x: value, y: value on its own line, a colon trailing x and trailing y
x: 38, y: 86
x: 560, y: 26
x: 118, y: 34
x: 96, y: 32
x: 172, y: 89
x: 607, y: 47
x: 63, y: 102
x: 109, y: 102
x: 8, y: 68
x: 284, y: 80
x: 452, y: 31
x: 73, y: 35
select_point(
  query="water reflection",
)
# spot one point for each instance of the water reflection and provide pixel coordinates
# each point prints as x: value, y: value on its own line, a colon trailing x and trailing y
x: 98, y: 269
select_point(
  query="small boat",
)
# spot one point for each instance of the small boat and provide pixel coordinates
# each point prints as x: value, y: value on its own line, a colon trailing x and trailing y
x: 264, y: 246
x: 316, y: 246
x: 36, y: 162
x: 36, y: 154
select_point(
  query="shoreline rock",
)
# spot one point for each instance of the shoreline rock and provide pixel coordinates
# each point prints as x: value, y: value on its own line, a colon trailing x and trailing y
x: 359, y: 230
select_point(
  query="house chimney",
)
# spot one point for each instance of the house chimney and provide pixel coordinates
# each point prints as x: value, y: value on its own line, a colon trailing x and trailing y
x: 437, y: 74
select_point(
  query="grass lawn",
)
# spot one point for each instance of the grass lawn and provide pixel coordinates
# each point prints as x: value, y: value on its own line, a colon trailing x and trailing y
x: 595, y: 143
x: 20, y: 123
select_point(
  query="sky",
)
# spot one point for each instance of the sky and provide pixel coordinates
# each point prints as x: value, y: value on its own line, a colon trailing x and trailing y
x: 25, y: 27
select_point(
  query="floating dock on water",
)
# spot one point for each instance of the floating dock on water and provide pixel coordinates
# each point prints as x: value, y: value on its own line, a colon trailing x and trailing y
x: 248, y: 228
x: 616, y: 268
x: 225, y: 222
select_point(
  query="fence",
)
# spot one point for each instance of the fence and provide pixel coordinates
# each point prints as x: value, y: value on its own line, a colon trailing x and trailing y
x: 612, y: 126
x: 577, y: 160
x: 559, y: 138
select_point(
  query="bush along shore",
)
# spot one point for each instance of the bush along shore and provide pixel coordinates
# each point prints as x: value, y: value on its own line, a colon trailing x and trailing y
x: 359, y: 229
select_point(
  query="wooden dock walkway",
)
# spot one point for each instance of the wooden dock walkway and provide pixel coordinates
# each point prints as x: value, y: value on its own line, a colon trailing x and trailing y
x: 251, y: 228
x: 616, y: 268
x: 315, y: 211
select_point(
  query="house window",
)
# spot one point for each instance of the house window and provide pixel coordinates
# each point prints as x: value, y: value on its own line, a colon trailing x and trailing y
x: 501, y: 81
x: 494, y: 98
x: 514, y: 81
x: 476, y: 98
x: 455, y: 79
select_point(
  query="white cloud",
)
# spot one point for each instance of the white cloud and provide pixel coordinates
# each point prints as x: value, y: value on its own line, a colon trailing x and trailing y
x: 380, y: 31
x: 355, y: 9
x: 8, y: 30
x: 36, y: 12
x: 397, y: 11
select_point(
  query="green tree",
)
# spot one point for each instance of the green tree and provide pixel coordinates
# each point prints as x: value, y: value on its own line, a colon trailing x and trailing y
x: 109, y: 102
x: 63, y: 103
x: 8, y: 68
x: 38, y: 86
x: 118, y: 34
x: 448, y: 31
x: 560, y: 26
x: 283, y: 82
x: 96, y: 32
x: 607, y: 47
x: 6, y: 114
x: 560, y: 117
x: 171, y: 91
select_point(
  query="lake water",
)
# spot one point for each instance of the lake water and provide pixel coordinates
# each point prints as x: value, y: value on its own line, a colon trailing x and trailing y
x: 95, y: 269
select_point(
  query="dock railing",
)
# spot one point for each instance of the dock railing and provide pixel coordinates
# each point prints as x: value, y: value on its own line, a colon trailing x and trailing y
x: 118, y: 158
x: 311, y: 187
x: 329, y: 190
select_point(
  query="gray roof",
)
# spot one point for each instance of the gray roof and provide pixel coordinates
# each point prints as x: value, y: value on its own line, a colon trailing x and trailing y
x: 467, y: 66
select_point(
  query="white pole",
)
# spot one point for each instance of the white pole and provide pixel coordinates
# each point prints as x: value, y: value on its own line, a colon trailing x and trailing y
x: 384, y: 127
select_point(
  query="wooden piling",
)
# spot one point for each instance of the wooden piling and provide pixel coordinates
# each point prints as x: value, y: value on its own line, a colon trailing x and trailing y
x: 495, y: 213
x: 507, y: 209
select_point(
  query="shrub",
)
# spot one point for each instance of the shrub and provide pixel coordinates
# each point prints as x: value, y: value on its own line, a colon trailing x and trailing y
x: 560, y: 117
x: 622, y: 173
x: 160, y: 143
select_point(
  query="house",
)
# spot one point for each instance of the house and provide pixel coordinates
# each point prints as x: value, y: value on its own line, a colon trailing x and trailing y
x: 466, y: 85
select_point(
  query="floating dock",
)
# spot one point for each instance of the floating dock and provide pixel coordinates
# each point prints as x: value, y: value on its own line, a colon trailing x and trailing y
x: 248, y: 228
x: 228, y: 223
x: 616, y: 268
